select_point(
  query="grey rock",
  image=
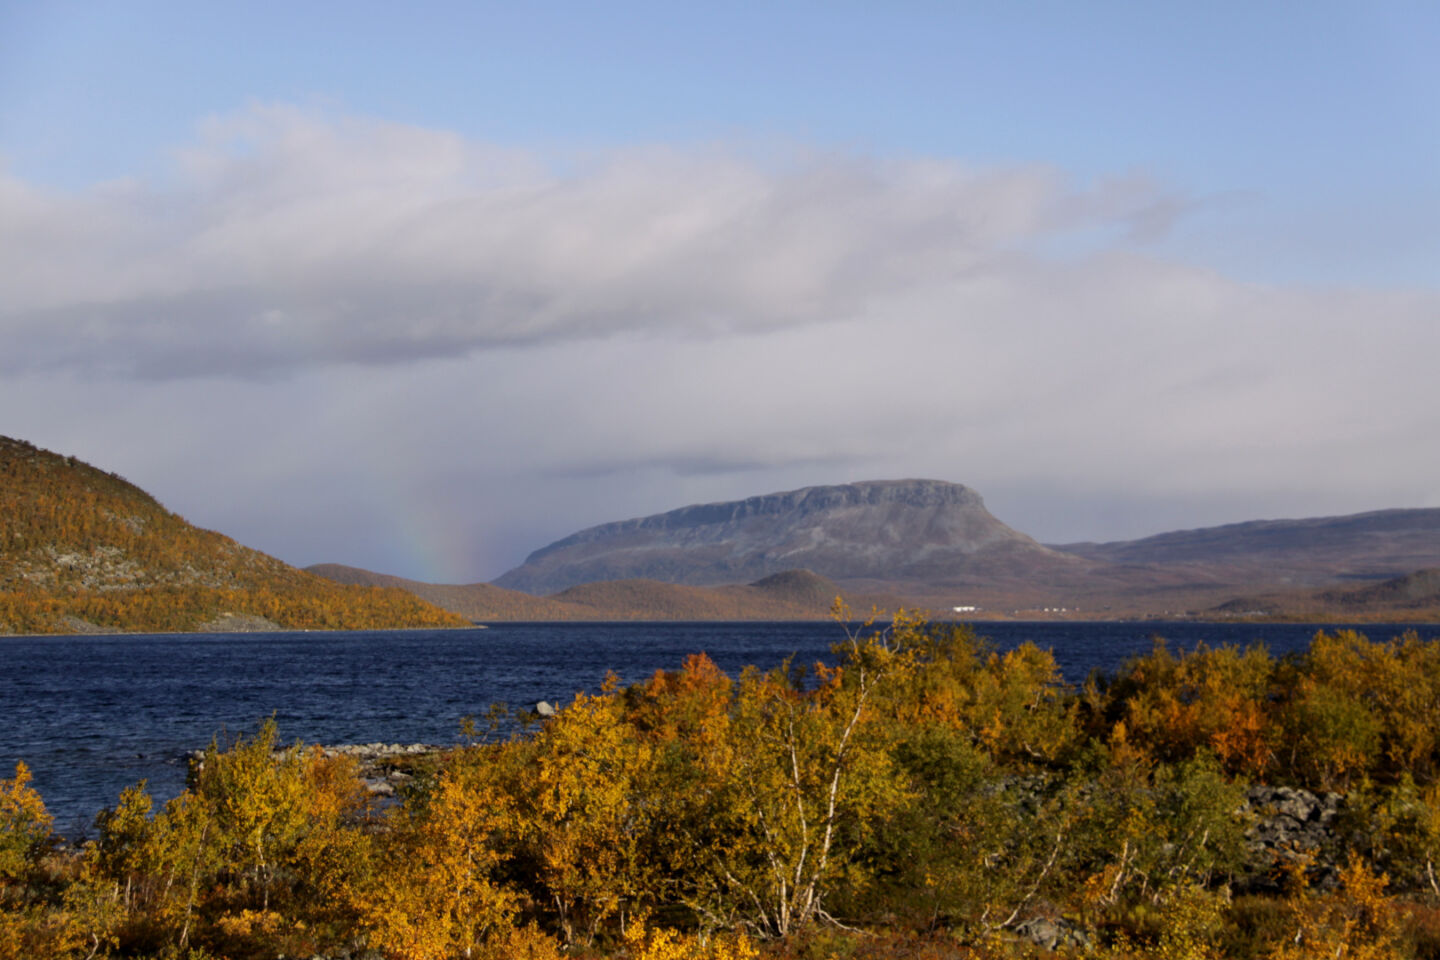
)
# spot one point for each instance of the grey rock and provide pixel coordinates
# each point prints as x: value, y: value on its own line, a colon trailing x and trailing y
x: 377, y: 787
x: 1052, y: 932
x: 85, y: 627
x: 238, y: 623
x: 1041, y: 931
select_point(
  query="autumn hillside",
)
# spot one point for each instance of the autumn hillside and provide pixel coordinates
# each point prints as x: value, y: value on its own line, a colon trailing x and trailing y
x: 81, y: 548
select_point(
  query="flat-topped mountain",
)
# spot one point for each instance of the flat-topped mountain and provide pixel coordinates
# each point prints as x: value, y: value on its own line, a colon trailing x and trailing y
x: 880, y: 531
x: 82, y: 549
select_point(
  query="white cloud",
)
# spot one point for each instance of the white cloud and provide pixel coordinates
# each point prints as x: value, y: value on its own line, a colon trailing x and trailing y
x: 342, y: 340
x: 284, y: 239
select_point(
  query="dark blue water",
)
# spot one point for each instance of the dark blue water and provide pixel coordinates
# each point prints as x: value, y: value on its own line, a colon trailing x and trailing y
x: 92, y: 715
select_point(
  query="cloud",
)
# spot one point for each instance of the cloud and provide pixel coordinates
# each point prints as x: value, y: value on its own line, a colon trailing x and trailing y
x: 342, y: 340
x: 282, y: 239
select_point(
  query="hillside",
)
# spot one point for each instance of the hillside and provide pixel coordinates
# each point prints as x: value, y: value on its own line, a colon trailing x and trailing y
x: 1417, y: 590
x: 1413, y: 597
x: 1309, y: 552
x: 790, y: 595
x: 918, y: 531
x: 82, y: 549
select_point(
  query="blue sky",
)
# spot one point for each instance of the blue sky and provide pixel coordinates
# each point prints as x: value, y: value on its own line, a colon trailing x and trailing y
x: 508, y: 226
x: 1309, y: 125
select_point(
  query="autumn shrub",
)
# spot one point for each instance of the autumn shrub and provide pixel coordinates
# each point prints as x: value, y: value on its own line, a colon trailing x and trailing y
x: 1396, y: 827
x: 1353, y: 709
x: 271, y: 811
x: 1360, y: 920
x: 1173, y: 706
x: 1150, y: 850
x: 1420, y: 930
x: 27, y: 925
x: 924, y: 795
x: 646, y: 942
x: 24, y: 827
x: 1012, y: 704
x: 591, y: 822
x: 433, y: 890
x: 247, y: 855
x: 974, y: 849
x: 975, y: 739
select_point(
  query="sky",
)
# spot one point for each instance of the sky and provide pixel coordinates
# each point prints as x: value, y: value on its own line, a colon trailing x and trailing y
x: 421, y: 288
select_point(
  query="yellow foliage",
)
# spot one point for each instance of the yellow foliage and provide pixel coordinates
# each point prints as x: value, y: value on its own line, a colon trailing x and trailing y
x: 36, y: 932
x: 1358, y: 922
x: 588, y: 817
x: 249, y: 922
x: 924, y: 782
x: 437, y: 896
x: 643, y: 942
x: 1207, y: 699
x: 24, y: 824
x: 522, y: 943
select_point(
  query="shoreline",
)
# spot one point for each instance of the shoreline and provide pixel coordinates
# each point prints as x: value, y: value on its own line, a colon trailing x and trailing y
x: 977, y: 622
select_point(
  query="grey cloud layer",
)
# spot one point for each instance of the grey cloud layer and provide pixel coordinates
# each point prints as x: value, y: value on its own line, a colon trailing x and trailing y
x: 283, y: 240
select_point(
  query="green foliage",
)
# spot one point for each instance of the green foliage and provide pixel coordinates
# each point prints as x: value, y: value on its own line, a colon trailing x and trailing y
x: 1356, y: 709
x: 1397, y: 828
x: 1141, y: 833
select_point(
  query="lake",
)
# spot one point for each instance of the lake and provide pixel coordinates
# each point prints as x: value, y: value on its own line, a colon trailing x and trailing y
x: 92, y: 715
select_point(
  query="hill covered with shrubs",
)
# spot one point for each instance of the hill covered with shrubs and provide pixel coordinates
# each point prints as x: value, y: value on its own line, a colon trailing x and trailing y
x: 83, y: 549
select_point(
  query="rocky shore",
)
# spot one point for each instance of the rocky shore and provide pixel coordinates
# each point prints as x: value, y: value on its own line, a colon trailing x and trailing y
x: 383, y: 767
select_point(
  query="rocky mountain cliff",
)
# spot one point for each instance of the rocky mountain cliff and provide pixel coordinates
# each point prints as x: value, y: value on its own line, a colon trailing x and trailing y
x: 880, y: 531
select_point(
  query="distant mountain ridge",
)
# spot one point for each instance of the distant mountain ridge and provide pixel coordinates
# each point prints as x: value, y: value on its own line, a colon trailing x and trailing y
x: 883, y: 531
x: 1312, y: 551
x: 1415, y: 596
x: 936, y: 545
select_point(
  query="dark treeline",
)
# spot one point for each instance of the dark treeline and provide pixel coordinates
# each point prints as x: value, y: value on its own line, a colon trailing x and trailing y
x: 929, y: 796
